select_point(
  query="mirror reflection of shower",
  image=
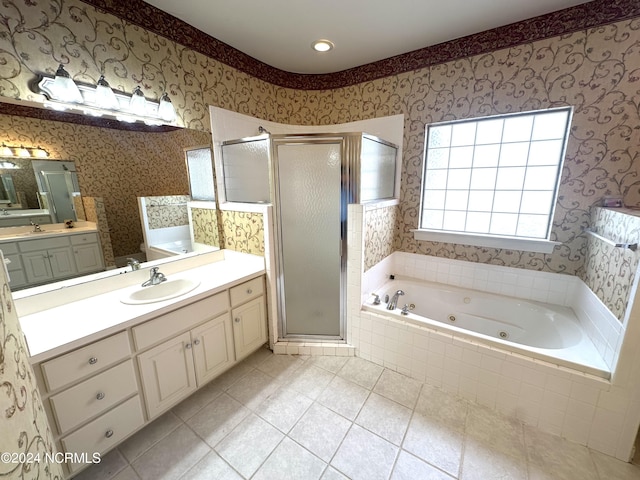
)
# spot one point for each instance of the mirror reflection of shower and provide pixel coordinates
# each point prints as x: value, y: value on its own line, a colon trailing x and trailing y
x: 57, y: 186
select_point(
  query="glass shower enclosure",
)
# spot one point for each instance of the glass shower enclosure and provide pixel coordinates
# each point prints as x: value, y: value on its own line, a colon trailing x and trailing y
x: 310, y: 180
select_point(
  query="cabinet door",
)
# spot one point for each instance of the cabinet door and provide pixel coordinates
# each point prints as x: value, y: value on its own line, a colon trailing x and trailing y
x: 88, y: 257
x: 37, y: 266
x: 212, y: 348
x: 167, y: 373
x: 62, y: 263
x: 249, y: 327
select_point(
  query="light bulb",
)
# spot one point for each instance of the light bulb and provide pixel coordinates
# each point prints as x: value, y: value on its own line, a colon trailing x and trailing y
x: 65, y: 88
x: 165, y: 109
x: 105, y: 98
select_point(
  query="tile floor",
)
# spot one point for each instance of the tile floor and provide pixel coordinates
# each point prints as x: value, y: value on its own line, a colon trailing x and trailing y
x: 291, y: 417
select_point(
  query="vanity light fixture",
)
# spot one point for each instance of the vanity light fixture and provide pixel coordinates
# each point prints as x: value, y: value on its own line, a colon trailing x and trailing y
x: 22, y: 152
x: 322, y: 45
x: 102, y: 100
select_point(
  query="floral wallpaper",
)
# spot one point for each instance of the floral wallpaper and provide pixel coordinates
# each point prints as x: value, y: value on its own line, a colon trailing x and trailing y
x: 96, y: 213
x: 115, y: 165
x: 24, y: 425
x: 589, y: 64
x: 167, y: 211
x: 243, y: 232
x: 611, y: 271
x: 204, y: 222
x: 379, y: 230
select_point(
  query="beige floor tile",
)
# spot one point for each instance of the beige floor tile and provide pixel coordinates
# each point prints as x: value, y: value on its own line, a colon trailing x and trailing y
x: 409, y: 467
x: 258, y: 357
x: 610, y: 468
x: 435, y: 442
x: 398, y: 387
x: 253, y: 388
x: 192, y: 404
x: 249, y: 444
x: 365, y: 456
x: 311, y: 381
x: 442, y: 406
x: 384, y: 417
x: 212, y: 467
x: 320, y: 431
x: 361, y: 371
x: 232, y: 375
x: 127, y: 474
x: 281, y: 366
x: 284, y: 408
x: 172, y: 456
x: 149, y: 436
x: 290, y: 460
x: 344, y: 397
x: 332, y: 474
x: 218, y: 418
x: 496, y: 431
x: 111, y: 464
x: 331, y: 364
x: 482, y: 462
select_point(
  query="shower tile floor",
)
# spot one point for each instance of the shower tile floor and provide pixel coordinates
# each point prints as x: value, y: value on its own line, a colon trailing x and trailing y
x: 292, y: 417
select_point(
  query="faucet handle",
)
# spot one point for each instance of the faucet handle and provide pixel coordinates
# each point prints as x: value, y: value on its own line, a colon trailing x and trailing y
x: 376, y: 299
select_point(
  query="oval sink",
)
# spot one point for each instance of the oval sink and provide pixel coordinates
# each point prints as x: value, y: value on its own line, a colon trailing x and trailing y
x: 158, y: 293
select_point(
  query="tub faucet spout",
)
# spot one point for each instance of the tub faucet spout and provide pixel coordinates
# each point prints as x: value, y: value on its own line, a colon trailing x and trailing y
x: 394, y: 300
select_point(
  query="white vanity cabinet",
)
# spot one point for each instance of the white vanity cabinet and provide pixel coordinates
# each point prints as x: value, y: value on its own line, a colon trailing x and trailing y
x: 87, y: 252
x: 47, y: 259
x: 249, y: 318
x: 17, y: 276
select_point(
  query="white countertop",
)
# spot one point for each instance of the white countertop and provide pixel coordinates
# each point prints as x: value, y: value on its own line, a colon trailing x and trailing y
x: 25, y: 232
x: 61, y: 328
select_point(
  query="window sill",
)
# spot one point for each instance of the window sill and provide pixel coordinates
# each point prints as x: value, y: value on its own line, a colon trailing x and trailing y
x: 507, y: 243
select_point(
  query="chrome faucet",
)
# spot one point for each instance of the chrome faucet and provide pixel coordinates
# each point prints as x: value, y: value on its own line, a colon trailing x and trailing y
x: 36, y: 227
x: 133, y: 263
x: 155, y: 277
x: 394, y: 300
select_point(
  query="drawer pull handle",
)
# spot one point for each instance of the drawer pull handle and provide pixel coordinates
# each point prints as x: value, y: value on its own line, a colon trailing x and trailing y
x: 188, y: 345
x: 93, y: 361
x: 249, y: 291
x: 100, y: 396
x: 237, y: 320
x: 196, y: 342
x: 109, y: 433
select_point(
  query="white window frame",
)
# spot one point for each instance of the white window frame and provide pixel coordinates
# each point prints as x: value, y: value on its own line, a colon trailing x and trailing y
x: 532, y: 244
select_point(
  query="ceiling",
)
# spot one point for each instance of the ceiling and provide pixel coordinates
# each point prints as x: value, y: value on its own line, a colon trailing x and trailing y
x: 280, y: 32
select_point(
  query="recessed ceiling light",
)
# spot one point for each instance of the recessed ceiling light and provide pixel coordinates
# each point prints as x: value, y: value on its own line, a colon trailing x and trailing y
x: 322, y: 45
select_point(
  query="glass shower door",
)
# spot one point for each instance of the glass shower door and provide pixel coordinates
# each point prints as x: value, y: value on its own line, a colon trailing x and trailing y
x: 311, y: 238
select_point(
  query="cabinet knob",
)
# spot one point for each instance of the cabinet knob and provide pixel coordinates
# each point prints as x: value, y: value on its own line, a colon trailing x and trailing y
x: 100, y: 396
x: 249, y: 291
x: 237, y: 320
x: 93, y: 361
x: 109, y: 433
x: 188, y: 345
x: 196, y: 342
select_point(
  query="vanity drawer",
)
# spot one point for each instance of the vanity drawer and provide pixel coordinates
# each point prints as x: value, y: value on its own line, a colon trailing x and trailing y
x: 179, y: 320
x: 44, y: 243
x: 246, y: 291
x: 82, y: 362
x: 84, y: 238
x: 93, y: 396
x: 105, y: 431
x: 9, y: 248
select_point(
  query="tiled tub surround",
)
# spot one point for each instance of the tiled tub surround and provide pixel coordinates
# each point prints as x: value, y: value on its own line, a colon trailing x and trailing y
x: 583, y: 408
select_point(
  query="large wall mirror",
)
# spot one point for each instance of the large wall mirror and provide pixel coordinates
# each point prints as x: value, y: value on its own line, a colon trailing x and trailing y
x: 116, y: 165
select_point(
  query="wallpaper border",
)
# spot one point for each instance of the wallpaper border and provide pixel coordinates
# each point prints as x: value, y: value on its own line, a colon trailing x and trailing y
x: 589, y: 15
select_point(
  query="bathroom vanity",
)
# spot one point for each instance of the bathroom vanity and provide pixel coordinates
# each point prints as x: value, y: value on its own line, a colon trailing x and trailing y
x: 52, y: 253
x: 105, y: 368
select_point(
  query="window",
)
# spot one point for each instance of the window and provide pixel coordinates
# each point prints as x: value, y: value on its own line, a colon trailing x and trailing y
x: 493, y: 178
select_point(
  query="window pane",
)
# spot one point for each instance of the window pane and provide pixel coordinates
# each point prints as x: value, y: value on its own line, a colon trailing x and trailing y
x: 503, y: 223
x: 454, y: 220
x: 436, y: 179
x: 438, y: 158
x: 540, y: 178
x: 486, y: 156
x: 440, y: 136
x: 532, y: 226
x: 461, y: 157
x: 514, y: 154
x: 457, y: 200
x: 489, y: 131
x: 459, y: 178
x: 481, y: 200
x: 550, y: 125
x: 432, y: 219
x: 545, y: 153
x: 536, y: 202
x: 478, y: 222
x: 507, y: 201
x: 434, y: 199
x: 483, y: 178
x: 510, y: 178
x: 517, y: 129
x: 463, y: 134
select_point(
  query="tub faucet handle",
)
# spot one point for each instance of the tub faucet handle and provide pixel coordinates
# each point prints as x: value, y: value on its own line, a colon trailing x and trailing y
x: 376, y: 299
x: 406, y: 308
